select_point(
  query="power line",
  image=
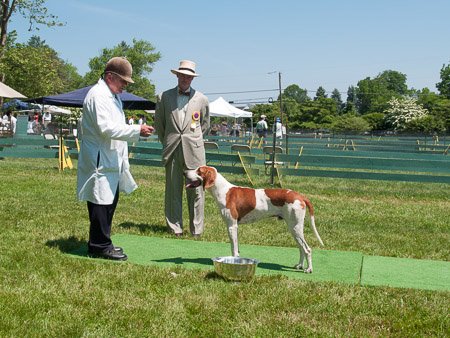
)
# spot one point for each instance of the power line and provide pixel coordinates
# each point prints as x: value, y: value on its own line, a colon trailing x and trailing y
x: 244, y: 92
x: 314, y: 91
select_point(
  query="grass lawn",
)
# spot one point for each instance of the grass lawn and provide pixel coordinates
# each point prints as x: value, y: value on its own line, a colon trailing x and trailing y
x: 46, y: 293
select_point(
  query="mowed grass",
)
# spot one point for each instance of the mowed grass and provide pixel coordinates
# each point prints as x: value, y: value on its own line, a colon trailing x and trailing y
x: 46, y: 293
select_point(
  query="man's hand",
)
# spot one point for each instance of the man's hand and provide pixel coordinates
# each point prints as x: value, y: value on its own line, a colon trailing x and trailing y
x: 146, y: 131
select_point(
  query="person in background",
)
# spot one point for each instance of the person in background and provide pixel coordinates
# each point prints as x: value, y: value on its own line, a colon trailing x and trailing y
x: 131, y: 120
x: 279, y: 130
x: 235, y: 130
x: 12, y: 121
x: 214, y: 130
x: 181, y: 121
x: 141, y: 120
x: 47, y: 118
x: 36, y: 126
x: 223, y: 128
x: 103, y: 167
x: 261, y: 127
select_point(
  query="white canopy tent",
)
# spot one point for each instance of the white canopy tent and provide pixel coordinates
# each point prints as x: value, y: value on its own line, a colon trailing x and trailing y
x: 52, y: 109
x: 6, y: 91
x: 222, y: 108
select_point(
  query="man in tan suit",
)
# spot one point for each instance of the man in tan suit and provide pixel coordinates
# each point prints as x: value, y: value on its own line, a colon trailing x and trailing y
x: 181, y: 120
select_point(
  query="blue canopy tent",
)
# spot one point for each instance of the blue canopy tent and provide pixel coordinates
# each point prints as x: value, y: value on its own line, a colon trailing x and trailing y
x: 75, y: 99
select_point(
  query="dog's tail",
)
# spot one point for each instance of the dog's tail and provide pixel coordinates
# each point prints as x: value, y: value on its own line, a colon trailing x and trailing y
x: 311, y: 215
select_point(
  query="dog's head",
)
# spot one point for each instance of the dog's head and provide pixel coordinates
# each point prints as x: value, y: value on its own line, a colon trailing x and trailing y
x: 203, y: 175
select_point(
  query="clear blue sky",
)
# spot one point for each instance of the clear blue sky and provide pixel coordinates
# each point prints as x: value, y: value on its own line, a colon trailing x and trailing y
x: 236, y: 44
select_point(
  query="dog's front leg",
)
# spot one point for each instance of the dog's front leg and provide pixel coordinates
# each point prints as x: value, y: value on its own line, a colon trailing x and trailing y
x: 232, y: 228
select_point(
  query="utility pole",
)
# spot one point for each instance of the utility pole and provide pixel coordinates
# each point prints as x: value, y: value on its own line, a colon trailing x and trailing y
x: 281, y: 99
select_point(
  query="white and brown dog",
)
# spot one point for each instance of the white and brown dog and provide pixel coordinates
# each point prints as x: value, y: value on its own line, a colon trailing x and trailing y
x: 240, y: 205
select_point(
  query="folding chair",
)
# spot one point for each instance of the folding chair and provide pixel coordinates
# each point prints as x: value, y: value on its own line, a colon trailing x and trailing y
x: 268, y: 150
x: 241, y: 148
x: 211, y: 145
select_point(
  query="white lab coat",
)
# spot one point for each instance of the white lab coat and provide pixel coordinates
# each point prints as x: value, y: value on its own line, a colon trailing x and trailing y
x: 103, y: 159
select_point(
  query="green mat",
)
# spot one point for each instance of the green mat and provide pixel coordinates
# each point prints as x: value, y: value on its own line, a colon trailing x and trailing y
x: 337, y: 266
x: 191, y: 254
x: 406, y: 273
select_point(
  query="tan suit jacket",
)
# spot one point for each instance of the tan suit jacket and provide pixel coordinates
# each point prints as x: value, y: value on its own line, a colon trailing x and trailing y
x: 171, y: 131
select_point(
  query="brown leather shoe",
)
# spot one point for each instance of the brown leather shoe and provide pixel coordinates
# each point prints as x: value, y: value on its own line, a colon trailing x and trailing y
x: 196, y: 235
x: 179, y: 234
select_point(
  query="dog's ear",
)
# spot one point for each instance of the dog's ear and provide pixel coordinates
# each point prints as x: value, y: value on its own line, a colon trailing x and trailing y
x: 209, y: 177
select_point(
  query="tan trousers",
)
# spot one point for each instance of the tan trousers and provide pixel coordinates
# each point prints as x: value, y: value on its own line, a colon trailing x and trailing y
x: 175, y: 183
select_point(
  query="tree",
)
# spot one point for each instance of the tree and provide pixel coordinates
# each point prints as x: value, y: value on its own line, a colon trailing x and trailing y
x: 375, y: 120
x: 314, y: 114
x: 270, y: 110
x: 36, y: 69
x: 33, y: 10
x: 437, y: 106
x: 320, y: 93
x: 336, y: 96
x: 428, y: 124
x: 350, y: 123
x: 444, y: 85
x: 403, y: 110
x: 351, y: 94
x: 141, y: 56
x: 295, y: 93
x: 33, y: 70
x: 372, y: 95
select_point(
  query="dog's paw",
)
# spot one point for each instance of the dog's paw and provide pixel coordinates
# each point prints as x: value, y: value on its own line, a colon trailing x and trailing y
x: 308, y: 270
x: 298, y: 266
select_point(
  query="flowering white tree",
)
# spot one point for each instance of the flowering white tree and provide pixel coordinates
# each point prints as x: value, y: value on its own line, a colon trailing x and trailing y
x: 403, y: 110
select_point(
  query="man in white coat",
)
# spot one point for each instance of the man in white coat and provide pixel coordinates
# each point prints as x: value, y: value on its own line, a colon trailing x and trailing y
x: 103, y: 167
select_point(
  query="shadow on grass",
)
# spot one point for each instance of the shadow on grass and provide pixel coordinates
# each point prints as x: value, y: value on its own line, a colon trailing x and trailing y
x: 66, y: 244
x: 208, y: 261
x: 181, y: 261
x: 145, y: 228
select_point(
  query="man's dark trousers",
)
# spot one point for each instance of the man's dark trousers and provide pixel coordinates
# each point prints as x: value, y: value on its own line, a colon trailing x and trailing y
x: 101, y: 217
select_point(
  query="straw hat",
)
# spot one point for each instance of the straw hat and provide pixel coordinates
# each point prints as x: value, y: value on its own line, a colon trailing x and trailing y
x: 121, y: 67
x: 186, y: 68
x: 224, y: 123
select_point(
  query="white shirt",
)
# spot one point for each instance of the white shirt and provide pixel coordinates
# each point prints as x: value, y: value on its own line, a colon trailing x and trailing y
x: 13, y: 124
x: 182, y: 101
x: 47, y: 117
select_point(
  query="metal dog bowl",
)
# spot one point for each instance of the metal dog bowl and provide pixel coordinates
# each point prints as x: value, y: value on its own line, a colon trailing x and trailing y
x: 235, y: 268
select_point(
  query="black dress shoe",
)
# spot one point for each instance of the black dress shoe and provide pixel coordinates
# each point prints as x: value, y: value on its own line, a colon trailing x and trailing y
x: 110, y: 254
x: 116, y: 249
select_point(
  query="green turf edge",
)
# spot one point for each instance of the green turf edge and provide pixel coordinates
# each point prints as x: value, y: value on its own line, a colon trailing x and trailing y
x: 406, y: 273
x: 339, y: 266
